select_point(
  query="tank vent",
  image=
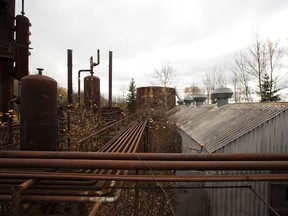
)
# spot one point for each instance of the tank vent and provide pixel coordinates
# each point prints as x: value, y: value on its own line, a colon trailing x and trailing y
x: 180, y: 102
x: 188, y: 101
x: 222, y: 95
x: 199, y: 99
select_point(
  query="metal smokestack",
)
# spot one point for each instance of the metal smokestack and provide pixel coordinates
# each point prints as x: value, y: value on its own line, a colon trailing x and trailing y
x: 69, y: 84
x: 110, y: 79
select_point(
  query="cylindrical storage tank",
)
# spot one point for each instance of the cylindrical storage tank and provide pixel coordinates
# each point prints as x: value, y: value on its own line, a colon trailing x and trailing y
x: 155, y: 97
x: 38, y: 114
x: 92, y: 92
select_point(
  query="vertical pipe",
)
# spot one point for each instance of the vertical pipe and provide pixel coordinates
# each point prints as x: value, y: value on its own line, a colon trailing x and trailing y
x: 17, y: 190
x: 110, y: 79
x: 69, y: 84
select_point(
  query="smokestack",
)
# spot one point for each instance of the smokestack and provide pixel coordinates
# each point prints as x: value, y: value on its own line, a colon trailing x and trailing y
x: 199, y: 99
x: 69, y: 80
x: 222, y: 95
x: 110, y: 79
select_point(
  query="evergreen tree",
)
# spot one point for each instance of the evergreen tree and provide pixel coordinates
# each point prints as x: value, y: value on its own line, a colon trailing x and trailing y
x: 131, y: 97
x: 268, y: 94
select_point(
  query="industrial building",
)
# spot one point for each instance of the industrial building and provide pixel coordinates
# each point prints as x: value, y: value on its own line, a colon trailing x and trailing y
x: 232, y: 128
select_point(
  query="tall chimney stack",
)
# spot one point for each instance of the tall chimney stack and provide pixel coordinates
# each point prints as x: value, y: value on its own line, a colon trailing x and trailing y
x: 69, y: 84
x: 110, y: 79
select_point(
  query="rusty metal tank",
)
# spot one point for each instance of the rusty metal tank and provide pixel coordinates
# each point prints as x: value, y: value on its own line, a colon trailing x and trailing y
x: 155, y: 97
x: 38, y: 115
x: 92, y: 92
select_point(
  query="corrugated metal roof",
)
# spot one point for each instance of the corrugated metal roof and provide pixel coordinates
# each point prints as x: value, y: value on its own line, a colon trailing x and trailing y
x: 214, y: 127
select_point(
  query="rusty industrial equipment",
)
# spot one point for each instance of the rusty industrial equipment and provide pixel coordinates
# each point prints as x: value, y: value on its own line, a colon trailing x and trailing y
x: 155, y: 97
x: 69, y: 77
x: 22, y: 46
x: 92, y: 92
x: 110, y: 79
x: 44, y: 175
x: 91, y: 86
x: 13, y: 51
x: 38, y: 112
x: 128, y: 140
x: 7, y: 11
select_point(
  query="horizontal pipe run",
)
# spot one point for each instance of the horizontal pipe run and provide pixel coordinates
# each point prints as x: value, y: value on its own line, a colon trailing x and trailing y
x: 47, y: 198
x: 142, y: 165
x: 162, y: 178
x: 6, y: 197
x: 107, y: 127
x: 80, y: 191
x: 144, y: 156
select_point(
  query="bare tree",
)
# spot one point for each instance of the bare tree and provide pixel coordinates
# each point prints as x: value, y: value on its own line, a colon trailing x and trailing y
x: 166, y: 75
x: 220, y: 75
x: 275, y: 55
x: 256, y: 60
x: 236, y: 86
x: 240, y: 78
x: 214, y: 79
x: 123, y: 92
x: 260, y: 59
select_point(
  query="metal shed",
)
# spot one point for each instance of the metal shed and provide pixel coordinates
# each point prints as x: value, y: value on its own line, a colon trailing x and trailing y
x: 234, y: 128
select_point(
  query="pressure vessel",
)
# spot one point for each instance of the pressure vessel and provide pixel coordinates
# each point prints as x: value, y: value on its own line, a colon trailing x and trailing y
x: 38, y: 113
x: 92, y: 92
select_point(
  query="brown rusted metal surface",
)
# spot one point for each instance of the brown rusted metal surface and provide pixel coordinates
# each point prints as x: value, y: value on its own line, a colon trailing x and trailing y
x: 95, y: 209
x: 38, y: 112
x: 22, y: 46
x: 79, y: 83
x: 6, y: 56
x: 160, y: 178
x: 97, y: 177
x: 92, y: 92
x: 142, y: 165
x: 145, y: 156
x: 6, y: 26
x: 155, y: 97
x: 69, y: 76
x: 17, y: 196
x: 110, y: 79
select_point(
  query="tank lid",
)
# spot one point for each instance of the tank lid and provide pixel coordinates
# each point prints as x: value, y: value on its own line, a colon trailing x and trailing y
x: 221, y: 93
x: 200, y: 97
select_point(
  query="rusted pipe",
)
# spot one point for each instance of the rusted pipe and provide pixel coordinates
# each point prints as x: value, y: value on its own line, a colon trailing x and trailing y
x: 105, y: 128
x: 162, y: 178
x: 110, y: 79
x: 141, y: 165
x: 266, y: 203
x: 70, y: 75
x: 146, y: 156
x: 17, y: 196
x: 79, y: 86
x: 95, y: 209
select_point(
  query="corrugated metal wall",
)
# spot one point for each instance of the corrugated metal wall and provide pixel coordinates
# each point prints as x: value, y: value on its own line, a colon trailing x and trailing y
x: 237, y: 201
x: 270, y: 137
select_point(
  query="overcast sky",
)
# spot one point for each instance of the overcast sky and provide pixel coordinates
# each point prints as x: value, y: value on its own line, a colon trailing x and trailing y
x: 195, y: 35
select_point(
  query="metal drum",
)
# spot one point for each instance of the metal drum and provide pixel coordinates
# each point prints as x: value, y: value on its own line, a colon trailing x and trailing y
x: 92, y: 92
x: 38, y: 113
